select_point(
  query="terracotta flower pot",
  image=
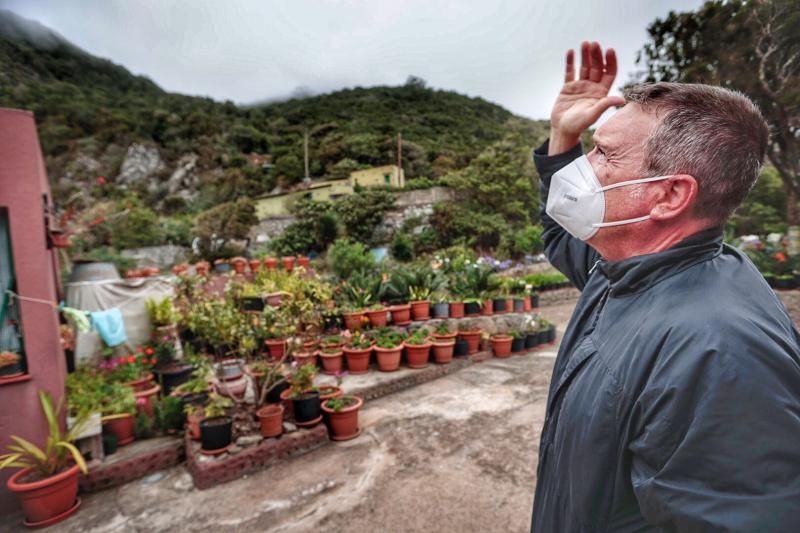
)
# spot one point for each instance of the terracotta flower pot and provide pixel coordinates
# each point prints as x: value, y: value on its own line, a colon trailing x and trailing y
x: 332, y: 362
x: 509, y: 305
x: 202, y: 268
x: 421, y: 310
x: 378, y: 318
x: 255, y: 265
x: 271, y: 419
x: 344, y: 423
x: 288, y: 263
x: 270, y: 263
x: 143, y: 383
x: 193, y: 421
x: 354, y: 321
x: 526, y: 304
x: 303, y: 261
x: 443, y: 351
x: 144, y: 399
x: 501, y: 345
x: 326, y: 392
x: 122, y: 426
x: 47, y: 501
x: 239, y: 266
x: 473, y: 339
x: 181, y: 269
x: 304, y: 358
x: 388, y: 358
x: 277, y: 348
x: 357, y: 359
x: 446, y: 337
x: 456, y: 309
x: 401, y: 314
x: 417, y: 355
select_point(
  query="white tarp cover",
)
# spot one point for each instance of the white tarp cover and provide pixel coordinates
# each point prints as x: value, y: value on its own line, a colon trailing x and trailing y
x: 129, y: 295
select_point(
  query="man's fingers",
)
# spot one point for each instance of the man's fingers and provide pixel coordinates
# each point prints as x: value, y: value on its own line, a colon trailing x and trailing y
x: 570, y: 74
x: 595, y: 62
x: 584, y: 60
x: 611, y: 68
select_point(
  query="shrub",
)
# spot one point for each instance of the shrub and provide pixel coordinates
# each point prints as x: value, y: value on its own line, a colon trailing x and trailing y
x: 346, y: 257
x: 402, y: 248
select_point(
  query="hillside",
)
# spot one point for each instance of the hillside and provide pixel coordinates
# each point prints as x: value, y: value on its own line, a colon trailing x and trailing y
x: 92, y: 114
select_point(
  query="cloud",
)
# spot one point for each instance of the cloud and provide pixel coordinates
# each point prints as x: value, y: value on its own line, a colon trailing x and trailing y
x: 509, y: 52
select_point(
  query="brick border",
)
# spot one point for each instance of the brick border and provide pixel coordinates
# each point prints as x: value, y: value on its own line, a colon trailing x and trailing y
x: 207, y: 474
x: 104, y: 476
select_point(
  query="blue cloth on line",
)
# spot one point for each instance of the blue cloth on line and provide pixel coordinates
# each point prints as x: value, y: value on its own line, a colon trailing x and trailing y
x: 110, y: 326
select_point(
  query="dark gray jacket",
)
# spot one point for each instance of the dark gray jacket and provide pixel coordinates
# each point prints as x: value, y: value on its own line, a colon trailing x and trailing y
x: 675, y: 398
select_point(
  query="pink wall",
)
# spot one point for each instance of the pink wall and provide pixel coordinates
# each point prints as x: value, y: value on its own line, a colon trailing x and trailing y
x: 23, y: 180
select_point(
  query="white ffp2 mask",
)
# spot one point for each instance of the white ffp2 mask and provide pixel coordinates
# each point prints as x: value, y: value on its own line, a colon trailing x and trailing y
x: 577, y: 200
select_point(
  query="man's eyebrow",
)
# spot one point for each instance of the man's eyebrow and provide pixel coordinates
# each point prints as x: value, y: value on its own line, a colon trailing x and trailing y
x: 600, y: 144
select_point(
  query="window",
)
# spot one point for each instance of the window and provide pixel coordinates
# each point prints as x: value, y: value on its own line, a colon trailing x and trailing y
x: 10, y: 328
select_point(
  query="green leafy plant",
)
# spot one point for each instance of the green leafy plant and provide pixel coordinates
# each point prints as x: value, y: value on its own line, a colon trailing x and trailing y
x: 58, y: 450
x: 337, y: 404
x: 162, y: 313
x: 443, y: 329
x: 118, y: 399
x: 84, y: 392
x: 388, y: 338
x: 359, y: 341
x: 418, y: 337
x: 217, y: 405
x: 302, y: 379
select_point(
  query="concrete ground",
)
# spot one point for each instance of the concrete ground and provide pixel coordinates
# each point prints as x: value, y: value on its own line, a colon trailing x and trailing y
x: 454, y: 454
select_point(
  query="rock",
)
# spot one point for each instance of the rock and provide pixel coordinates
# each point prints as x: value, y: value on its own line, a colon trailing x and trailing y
x: 184, y: 180
x: 248, y: 440
x: 288, y: 427
x: 233, y: 450
x: 141, y: 162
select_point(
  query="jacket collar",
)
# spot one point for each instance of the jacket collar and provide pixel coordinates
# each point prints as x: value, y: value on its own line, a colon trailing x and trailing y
x: 641, y: 272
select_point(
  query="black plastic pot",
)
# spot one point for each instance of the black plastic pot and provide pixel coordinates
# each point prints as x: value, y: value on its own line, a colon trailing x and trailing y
x: 441, y: 310
x: 306, y: 407
x: 109, y: 444
x: 274, y: 395
x: 499, y: 305
x: 172, y: 376
x: 783, y: 283
x: 472, y: 308
x: 531, y: 340
x: 535, y: 300
x: 551, y: 334
x: 519, y: 305
x: 333, y: 322
x: 216, y: 432
x: 770, y: 280
x: 461, y: 348
x: 251, y: 303
x: 517, y: 344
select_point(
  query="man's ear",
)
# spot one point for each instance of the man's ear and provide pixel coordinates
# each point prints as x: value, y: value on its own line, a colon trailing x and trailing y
x: 676, y: 196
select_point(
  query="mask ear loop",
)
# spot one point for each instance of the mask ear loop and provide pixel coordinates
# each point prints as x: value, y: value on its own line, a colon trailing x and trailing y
x: 622, y: 184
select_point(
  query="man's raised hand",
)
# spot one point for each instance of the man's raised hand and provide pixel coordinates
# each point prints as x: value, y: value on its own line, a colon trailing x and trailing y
x: 582, y: 101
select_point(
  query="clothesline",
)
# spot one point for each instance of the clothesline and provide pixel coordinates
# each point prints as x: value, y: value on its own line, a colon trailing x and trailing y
x: 13, y: 294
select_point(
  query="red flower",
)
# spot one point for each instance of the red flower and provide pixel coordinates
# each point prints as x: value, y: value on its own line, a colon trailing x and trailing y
x: 139, y: 349
x: 101, y: 180
x: 149, y: 351
x: 153, y: 361
x: 780, y: 257
x: 131, y: 359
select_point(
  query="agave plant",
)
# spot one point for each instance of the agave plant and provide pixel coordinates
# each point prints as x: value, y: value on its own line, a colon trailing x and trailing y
x: 57, y: 452
x: 422, y: 281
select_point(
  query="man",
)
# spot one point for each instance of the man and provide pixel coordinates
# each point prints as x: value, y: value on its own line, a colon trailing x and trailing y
x: 675, y: 398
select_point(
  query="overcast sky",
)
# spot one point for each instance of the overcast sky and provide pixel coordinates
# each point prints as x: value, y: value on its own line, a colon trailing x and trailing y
x: 508, y: 52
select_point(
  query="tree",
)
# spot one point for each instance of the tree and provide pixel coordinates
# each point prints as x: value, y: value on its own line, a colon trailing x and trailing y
x: 750, y: 46
x: 226, y: 222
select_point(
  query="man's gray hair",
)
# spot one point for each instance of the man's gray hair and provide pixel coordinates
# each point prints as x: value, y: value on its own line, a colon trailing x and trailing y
x: 716, y: 135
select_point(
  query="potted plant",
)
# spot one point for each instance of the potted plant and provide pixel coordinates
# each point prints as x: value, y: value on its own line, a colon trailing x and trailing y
x: 420, y: 304
x: 534, y: 299
x: 377, y: 315
x: 388, y: 350
x: 270, y: 418
x: 457, y: 308
x: 443, y: 349
x: 271, y: 263
x: 548, y: 331
x: 517, y: 342
x: 10, y: 365
x: 499, y: 304
x: 531, y: 333
x: 440, y: 307
x: 472, y: 306
x: 305, y: 400
x: 501, y: 345
x: 331, y: 341
x: 194, y: 415
x: 418, y: 349
x: 332, y: 359
x: 276, y: 335
x: 468, y: 332
x: 119, y: 406
x: 222, y: 266
x: 216, y: 428
x: 357, y: 352
x: 443, y: 333
x: 343, y: 416
x: 288, y: 263
x: 303, y: 261
x: 201, y: 268
x: 251, y: 297
x: 239, y: 264
x: 47, y: 482
x: 163, y: 317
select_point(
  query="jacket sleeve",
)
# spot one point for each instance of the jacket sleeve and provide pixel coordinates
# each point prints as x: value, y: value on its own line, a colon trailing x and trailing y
x: 716, y: 432
x: 573, y: 257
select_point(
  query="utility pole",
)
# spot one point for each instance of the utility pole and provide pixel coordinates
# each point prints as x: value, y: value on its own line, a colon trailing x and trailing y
x: 400, y: 159
x: 305, y: 153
